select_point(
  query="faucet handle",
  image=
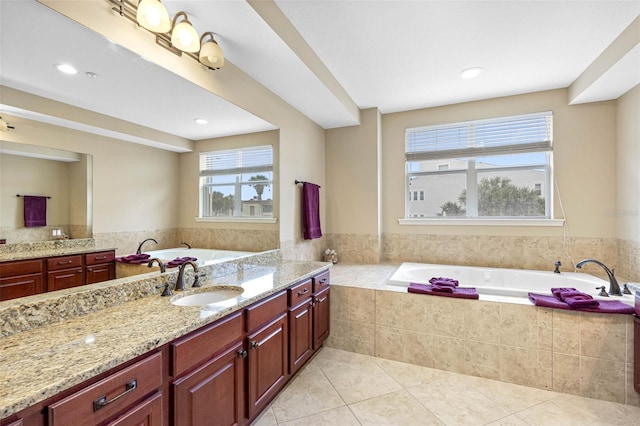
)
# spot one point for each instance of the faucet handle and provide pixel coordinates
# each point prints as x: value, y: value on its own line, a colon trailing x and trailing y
x: 625, y: 289
x: 196, y: 281
x: 603, y: 291
x: 557, y: 265
x: 167, y: 289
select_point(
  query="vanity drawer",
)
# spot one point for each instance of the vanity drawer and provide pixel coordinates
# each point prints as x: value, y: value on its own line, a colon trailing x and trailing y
x: 64, y: 262
x: 110, y: 396
x: 265, y: 311
x: 100, y: 257
x: 320, y: 281
x: 192, y: 350
x: 299, y: 292
x: 20, y: 267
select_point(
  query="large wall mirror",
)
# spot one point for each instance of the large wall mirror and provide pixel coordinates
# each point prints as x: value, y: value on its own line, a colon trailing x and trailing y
x: 64, y: 177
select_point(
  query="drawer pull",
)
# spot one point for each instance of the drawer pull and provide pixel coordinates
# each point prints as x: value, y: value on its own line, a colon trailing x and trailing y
x: 100, y: 403
x: 323, y: 280
x: 60, y: 262
x: 100, y: 257
x: 305, y: 291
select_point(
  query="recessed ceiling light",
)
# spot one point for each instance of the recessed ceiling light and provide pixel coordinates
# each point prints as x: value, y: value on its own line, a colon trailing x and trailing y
x: 91, y: 74
x: 470, y: 72
x: 66, y: 68
x: 200, y: 121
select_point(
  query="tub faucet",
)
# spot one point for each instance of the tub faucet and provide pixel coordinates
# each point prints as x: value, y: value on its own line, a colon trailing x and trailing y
x: 182, y: 243
x: 614, y: 287
x: 163, y: 268
x: 139, y: 251
x: 180, y: 279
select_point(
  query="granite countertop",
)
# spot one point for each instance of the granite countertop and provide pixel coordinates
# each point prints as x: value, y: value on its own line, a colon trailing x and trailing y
x: 42, y: 361
x: 49, y: 251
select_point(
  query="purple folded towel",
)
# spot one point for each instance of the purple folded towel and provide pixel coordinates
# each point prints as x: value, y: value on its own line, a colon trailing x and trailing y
x: 179, y: 261
x: 135, y: 259
x: 459, y: 292
x: 605, y: 306
x: 442, y: 288
x: 444, y: 281
x: 574, y: 298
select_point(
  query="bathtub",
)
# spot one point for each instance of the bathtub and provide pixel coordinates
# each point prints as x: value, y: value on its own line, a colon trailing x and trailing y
x: 204, y: 256
x: 507, y: 285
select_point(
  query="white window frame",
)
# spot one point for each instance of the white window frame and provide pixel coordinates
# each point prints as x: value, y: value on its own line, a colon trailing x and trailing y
x: 473, y: 150
x: 238, y: 161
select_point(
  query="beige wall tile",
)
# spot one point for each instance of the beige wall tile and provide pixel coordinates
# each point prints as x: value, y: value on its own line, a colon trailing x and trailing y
x: 389, y: 343
x: 545, y: 328
x: 480, y: 320
x: 566, y: 373
x: 602, y: 379
x: 524, y: 366
x: 447, y: 353
x: 482, y: 359
x: 518, y: 325
x: 566, y: 332
x: 416, y: 348
x: 361, y: 305
x: 362, y: 338
x: 603, y: 336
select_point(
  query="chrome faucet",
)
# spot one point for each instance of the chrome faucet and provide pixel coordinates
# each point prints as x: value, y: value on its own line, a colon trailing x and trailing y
x: 161, y: 264
x: 139, y: 251
x: 180, y: 279
x: 182, y: 243
x: 614, y: 287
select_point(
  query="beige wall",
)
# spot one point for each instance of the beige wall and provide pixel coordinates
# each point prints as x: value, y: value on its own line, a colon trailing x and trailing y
x: 584, y: 158
x: 628, y: 166
x: 33, y: 176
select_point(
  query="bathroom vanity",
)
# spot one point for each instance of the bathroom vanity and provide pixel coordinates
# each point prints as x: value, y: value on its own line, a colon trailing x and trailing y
x: 171, y: 365
x: 39, y: 274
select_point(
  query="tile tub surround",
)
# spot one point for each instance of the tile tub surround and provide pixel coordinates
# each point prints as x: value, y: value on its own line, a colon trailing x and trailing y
x: 577, y: 353
x: 35, y: 362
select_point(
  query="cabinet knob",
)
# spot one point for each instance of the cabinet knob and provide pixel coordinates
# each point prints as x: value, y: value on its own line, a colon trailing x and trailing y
x: 254, y: 344
x: 242, y: 353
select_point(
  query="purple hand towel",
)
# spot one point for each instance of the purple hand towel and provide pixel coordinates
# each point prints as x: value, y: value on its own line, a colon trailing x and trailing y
x: 311, y: 211
x: 35, y: 211
x: 179, y: 261
x: 444, y: 281
x: 134, y: 259
x: 442, y: 288
x: 459, y: 292
x: 574, y: 298
x: 605, y: 306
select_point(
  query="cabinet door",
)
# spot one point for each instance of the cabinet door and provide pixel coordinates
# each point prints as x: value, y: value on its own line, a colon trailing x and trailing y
x: 268, y: 363
x: 213, y: 394
x: 20, y: 286
x: 321, y: 317
x: 146, y: 413
x: 99, y: 273
x: 636, y: 351
x: 65, y: 278
x: 300, y: 335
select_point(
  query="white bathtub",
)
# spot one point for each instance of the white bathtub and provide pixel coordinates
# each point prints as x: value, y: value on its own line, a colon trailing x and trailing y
x: 503, y: 284
x: 204, y: 256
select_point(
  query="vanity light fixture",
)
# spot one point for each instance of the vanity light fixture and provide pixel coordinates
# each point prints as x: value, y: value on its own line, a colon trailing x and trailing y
x: 66, y: 68
x: 469, y: 73
x: 183, y: 35
x: 178, y: 36
x: 4, y: 126
x: 152, y: 15
x: 210, y: 53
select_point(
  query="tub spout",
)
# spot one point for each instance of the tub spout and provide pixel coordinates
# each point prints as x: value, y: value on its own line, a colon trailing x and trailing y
x: 139, y: 250
x: 614, y: 287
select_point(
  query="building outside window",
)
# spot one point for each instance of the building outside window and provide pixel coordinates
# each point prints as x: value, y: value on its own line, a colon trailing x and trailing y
x: 237, y: 183
x: 496, y: 168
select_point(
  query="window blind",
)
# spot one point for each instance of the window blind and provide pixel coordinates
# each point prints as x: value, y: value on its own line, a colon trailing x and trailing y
x: 505, y: 135
x: 238, y: 161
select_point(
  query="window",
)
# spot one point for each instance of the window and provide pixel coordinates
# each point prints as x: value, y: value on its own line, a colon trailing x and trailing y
x: 237, y: 183
x: 497, y: 168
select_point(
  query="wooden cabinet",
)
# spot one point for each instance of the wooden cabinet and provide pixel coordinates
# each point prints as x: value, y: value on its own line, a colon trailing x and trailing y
x: 146, y: 413
x: 268, y: 351
x: 213, y: 394
x: 100, y: 267
x: 321, y: 318
x: 28, y: 277
x: 114, y: 397
x: 21, y: 278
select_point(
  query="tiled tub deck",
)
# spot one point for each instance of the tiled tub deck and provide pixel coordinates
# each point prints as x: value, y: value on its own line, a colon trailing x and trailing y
x: 578, y: 353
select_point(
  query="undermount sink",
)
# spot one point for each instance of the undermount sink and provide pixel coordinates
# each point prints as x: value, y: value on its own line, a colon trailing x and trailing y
x: 209, y: 296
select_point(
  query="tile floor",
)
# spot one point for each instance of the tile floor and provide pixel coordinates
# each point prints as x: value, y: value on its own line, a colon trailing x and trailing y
x: 339, y: 388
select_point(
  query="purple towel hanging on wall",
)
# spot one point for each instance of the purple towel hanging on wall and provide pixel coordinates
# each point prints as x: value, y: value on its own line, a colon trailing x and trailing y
x: 311, y: 211
x: 35, y: 211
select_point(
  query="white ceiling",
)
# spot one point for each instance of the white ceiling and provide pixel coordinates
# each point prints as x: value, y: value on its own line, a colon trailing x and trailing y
x: 395, y: 55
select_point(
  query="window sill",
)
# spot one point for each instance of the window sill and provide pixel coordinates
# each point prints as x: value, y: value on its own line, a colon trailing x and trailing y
x: 482, y: 222
x: 237, y: 219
